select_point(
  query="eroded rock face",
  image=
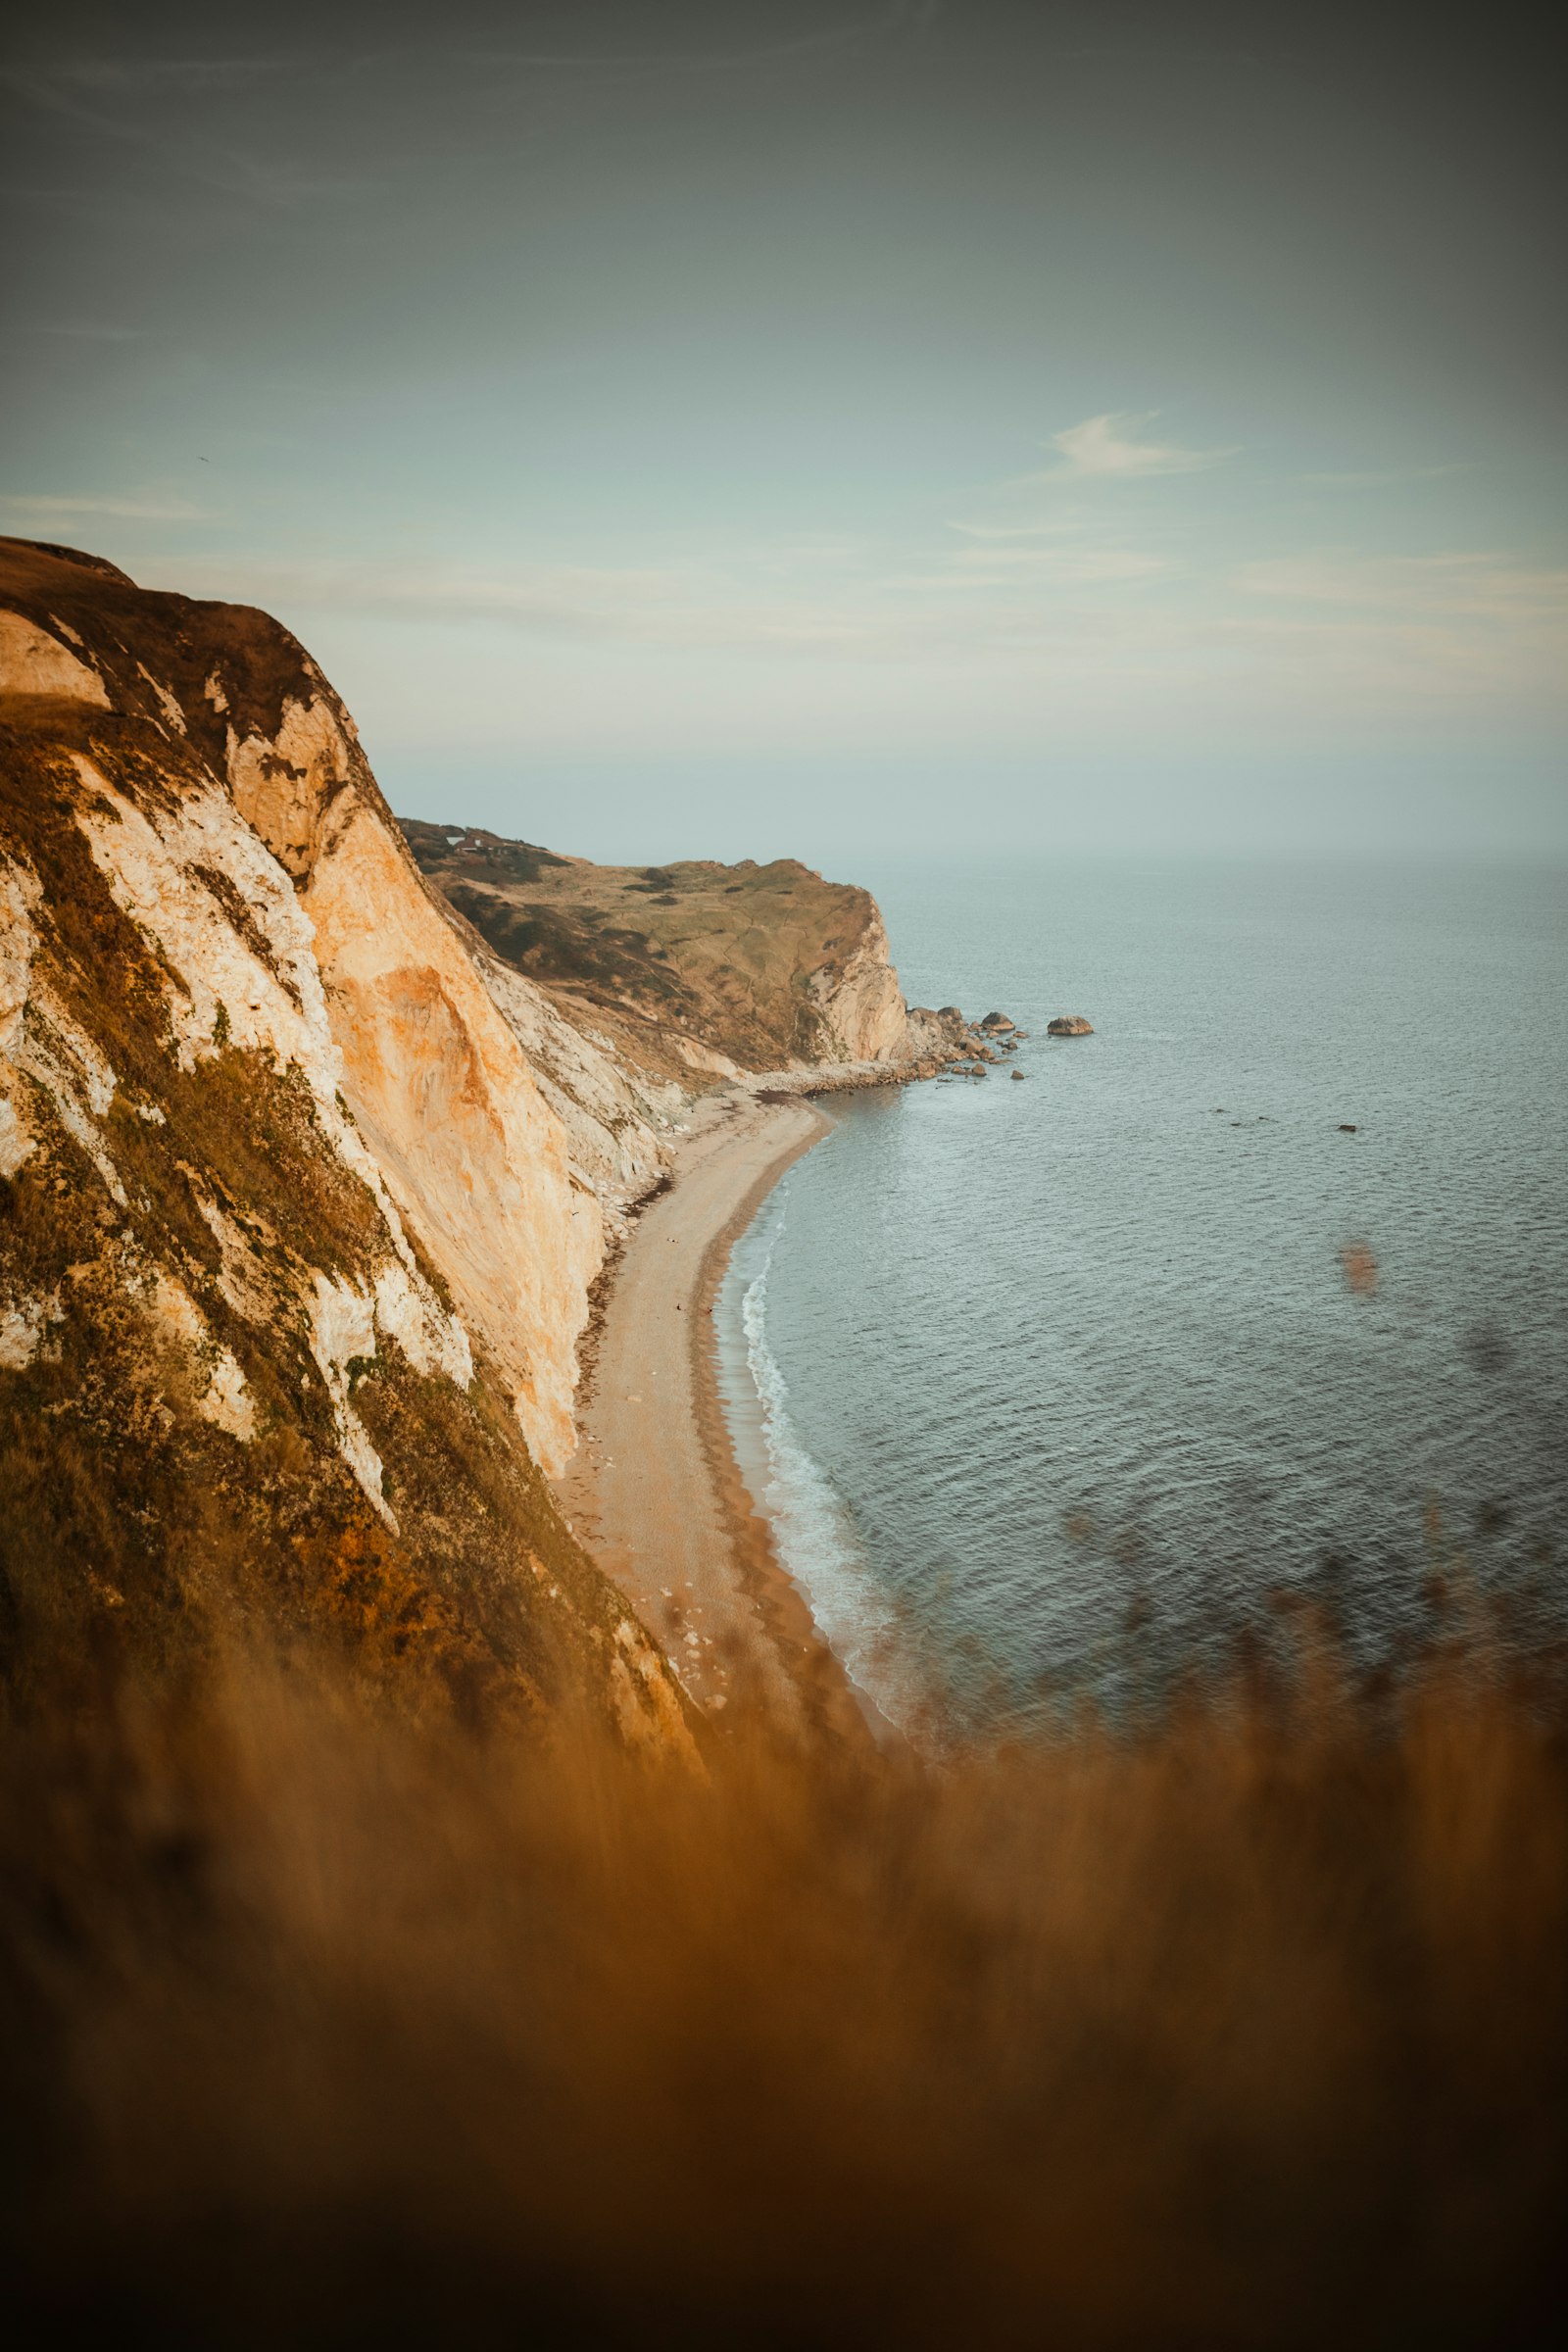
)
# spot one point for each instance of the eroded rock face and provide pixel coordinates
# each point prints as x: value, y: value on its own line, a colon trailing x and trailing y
x: 613, y: 1113
x: 427, y: 1064
x: 862, y: 1008
x: 293, y: 1256
x: 939, y: 1034
x: 34, y: 661
x: 449, y: 1105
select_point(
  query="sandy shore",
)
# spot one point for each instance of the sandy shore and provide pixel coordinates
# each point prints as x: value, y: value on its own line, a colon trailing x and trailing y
x: 654, y: 1489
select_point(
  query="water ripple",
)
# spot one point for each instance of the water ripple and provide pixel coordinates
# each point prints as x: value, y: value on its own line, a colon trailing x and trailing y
x: 1082, y: 1350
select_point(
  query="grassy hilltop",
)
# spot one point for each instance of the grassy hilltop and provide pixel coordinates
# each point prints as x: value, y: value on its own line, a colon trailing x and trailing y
x: 739, y: 958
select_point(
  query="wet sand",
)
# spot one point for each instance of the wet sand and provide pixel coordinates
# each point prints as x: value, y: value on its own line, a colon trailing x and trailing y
x: 654, y: 1489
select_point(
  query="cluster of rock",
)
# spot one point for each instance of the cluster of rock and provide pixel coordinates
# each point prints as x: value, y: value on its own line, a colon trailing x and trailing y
x: 976, y: 1049
x: 944, y: 1043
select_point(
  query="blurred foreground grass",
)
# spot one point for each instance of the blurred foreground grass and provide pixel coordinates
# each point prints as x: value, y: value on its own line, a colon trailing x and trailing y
x: 328, y: 2027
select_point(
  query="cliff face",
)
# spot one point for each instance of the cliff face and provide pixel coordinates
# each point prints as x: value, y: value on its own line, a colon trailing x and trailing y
x: 861, y: 1013
x: 292, y: 1254
x: 433, y: 1074
x: 698, y: 967
x: 307, y: 1163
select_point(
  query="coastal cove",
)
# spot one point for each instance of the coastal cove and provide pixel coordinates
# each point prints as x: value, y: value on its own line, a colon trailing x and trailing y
x: 1260, y: 1258
x: 336, y: 1147
x: 1069, y: 1387
x: 783, y: 1229
x: 994, y: 1400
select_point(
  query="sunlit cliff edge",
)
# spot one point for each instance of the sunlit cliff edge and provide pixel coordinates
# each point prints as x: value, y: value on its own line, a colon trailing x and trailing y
x: 308, y: 1160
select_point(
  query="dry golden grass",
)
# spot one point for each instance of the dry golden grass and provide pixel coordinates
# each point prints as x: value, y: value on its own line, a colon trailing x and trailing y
x: 1247, y: 2030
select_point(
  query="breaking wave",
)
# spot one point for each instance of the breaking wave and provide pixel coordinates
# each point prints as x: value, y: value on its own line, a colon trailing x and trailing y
x: 813, y: 1530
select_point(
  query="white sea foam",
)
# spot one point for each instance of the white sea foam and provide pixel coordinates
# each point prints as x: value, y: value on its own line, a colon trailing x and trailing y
x: 813, y: 1529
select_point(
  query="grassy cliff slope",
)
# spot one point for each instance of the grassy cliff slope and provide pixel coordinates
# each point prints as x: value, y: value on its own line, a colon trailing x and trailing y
x: 765, y: 965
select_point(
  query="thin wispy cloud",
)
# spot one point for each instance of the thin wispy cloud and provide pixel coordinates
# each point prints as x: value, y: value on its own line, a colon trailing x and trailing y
x: 1415, y: 633
x: 1384, y: 476
x: 1042, y: 565
x: 885, y: 613
x: 90, y: 331
x: 1480, y: 586
x: 688, y: 607
x: 80, y: 86
x: 182, y: 74
x: 116, y: 100
x: 1064, y: 548
x: 1045, y: 527
x: 1113, y: 446
x: 903, y: 15
x: 41, y: 507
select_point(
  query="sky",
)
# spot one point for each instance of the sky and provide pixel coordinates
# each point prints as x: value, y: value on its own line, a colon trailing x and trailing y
x: 817, y: 426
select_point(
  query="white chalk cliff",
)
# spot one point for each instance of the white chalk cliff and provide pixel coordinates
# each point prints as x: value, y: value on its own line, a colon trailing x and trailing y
x: 498, y: 1122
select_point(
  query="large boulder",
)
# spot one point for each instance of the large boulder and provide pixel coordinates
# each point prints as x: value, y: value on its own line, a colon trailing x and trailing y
x: 1069, y: 1025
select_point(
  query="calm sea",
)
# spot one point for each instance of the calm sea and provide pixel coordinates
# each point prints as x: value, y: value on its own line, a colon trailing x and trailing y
x: 1058, y: 1387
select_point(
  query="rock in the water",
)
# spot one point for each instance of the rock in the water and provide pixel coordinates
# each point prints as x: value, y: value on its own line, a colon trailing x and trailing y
x: 1015, y: 1073
x: 1069, y: 1025
x: 996, y: 1020
x: 1346, y: 1130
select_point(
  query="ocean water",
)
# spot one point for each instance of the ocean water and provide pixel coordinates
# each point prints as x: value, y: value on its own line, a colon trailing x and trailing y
x: 1058, y: 1388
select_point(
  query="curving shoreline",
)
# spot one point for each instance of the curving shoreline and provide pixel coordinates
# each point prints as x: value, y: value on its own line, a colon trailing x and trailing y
x: 655, y: 1490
